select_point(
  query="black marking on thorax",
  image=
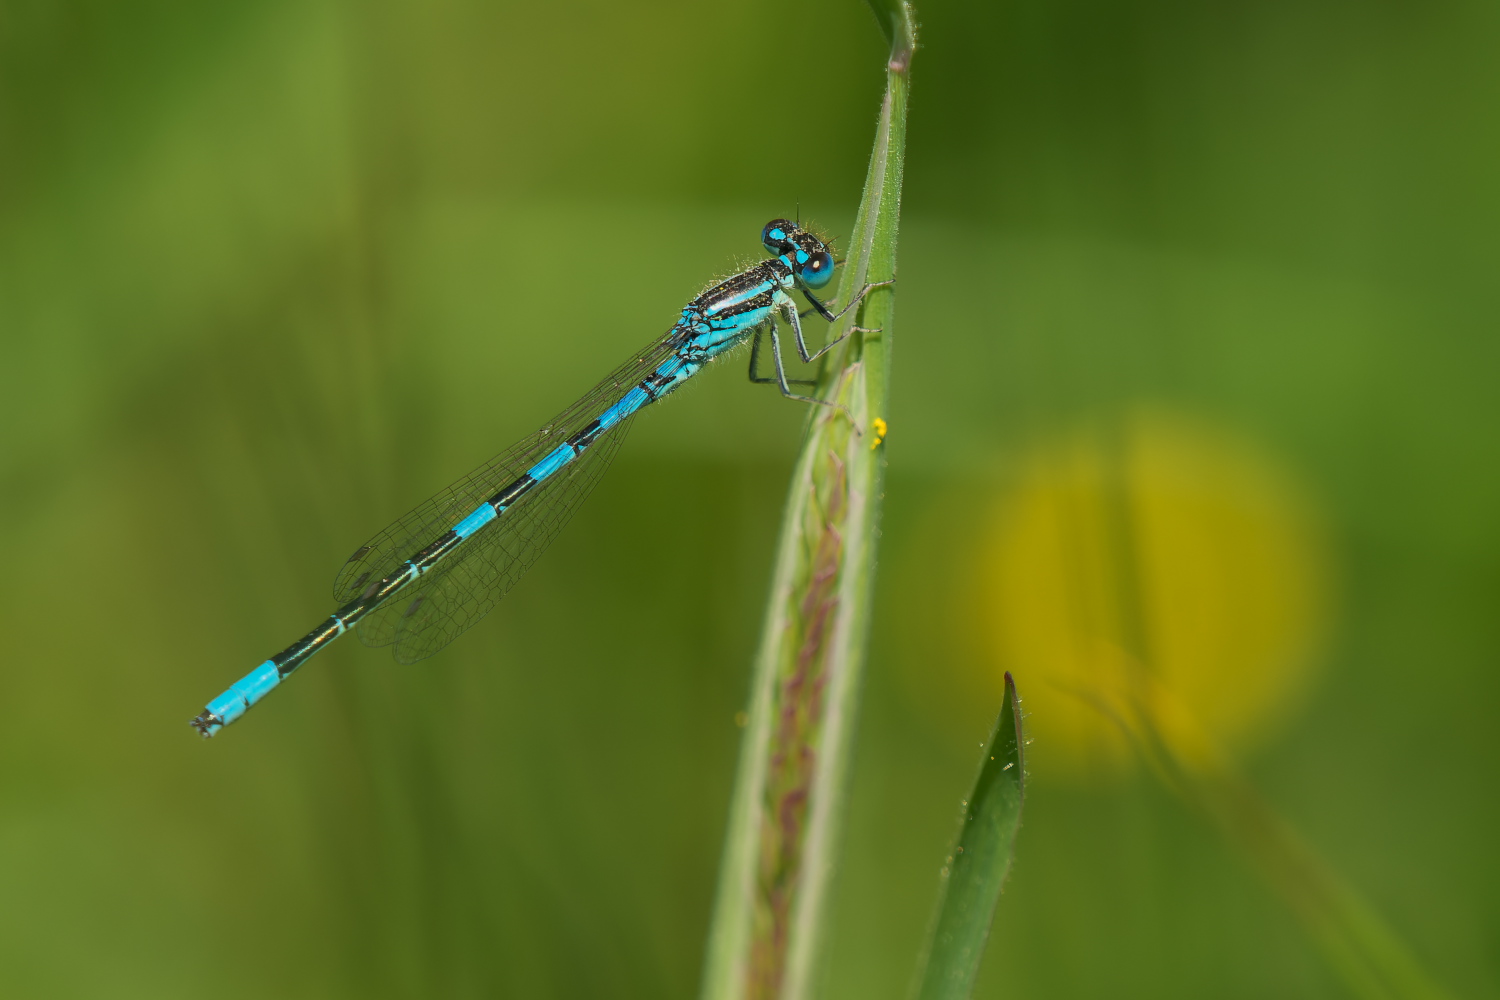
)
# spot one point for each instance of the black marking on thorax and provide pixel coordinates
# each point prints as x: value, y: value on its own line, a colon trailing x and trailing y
x: 771, y: 272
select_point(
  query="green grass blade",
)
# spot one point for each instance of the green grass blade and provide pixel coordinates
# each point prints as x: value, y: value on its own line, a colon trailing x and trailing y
x: 788, y: 804
x: 1374, y: 962
x: 899, y: 23
x: 975, y: 872
x: 1358, y: 945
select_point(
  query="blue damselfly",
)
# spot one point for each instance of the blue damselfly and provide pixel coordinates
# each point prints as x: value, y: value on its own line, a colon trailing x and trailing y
x: 424, y: 580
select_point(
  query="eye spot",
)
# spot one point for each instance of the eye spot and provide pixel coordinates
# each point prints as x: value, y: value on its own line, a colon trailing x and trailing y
x: 817, y: 269
x: 802, y: 256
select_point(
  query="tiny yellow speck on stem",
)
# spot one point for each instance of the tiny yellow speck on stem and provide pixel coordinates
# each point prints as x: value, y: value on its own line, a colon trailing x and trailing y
x: 880, y: 428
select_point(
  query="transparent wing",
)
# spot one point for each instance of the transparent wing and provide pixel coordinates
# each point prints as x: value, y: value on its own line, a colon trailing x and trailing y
x: 381, y: 555
x: 461, y: 590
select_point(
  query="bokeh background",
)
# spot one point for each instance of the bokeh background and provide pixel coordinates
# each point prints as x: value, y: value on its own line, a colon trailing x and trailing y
x: 1196, y: 356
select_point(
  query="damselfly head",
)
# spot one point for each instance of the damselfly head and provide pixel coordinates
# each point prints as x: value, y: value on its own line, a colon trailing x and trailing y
x: 777, y: 236
x: 808, y: 254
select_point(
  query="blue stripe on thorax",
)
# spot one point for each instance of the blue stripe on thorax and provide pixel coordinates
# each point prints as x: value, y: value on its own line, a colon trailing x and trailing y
x: 726, y: 331
x: 741, y: 297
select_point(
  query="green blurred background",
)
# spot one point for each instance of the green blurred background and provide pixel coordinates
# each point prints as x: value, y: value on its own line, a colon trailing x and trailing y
x: 271, y: 273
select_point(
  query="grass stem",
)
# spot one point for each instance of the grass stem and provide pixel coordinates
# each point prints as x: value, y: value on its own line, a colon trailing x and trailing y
x: 788, y: 803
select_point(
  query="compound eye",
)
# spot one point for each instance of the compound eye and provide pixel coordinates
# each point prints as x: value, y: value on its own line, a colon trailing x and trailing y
x: 818, y: 269
x: 777, y: 236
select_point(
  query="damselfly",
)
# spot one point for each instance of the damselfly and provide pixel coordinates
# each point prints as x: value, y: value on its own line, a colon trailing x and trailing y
x: 426, y: 579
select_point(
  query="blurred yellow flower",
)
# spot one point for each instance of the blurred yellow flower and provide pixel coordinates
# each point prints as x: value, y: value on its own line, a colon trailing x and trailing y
x: 1162, y: 569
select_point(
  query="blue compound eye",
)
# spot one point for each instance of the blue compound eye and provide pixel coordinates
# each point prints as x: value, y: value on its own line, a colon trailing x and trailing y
x: 777, y: 236
x: 818, y: 269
